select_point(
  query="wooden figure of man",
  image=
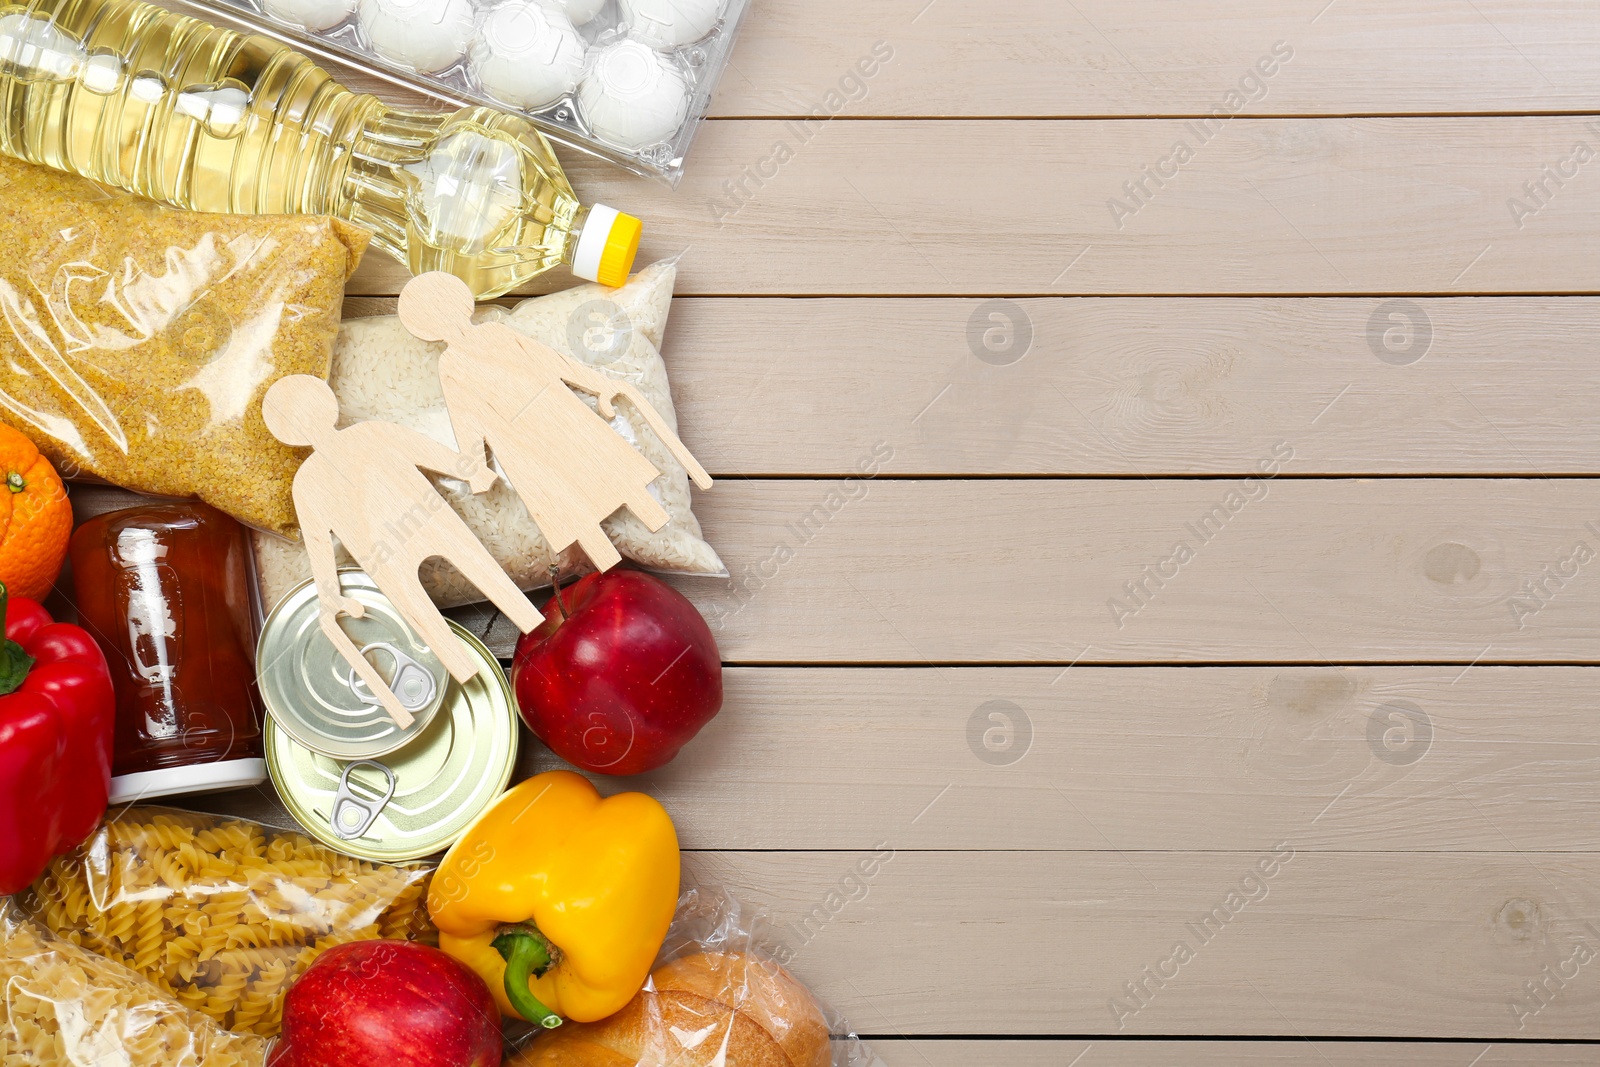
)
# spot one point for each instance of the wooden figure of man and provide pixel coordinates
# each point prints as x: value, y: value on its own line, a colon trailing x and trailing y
x: 571, y: 469
x: 362, y: 485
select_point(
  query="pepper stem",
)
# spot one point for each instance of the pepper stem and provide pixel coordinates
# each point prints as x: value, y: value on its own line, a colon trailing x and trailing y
x: 528, y: 956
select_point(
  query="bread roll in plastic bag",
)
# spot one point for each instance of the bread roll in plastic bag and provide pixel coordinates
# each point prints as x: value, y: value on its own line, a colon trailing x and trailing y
x: 222, y: 913
x: 63, y: 1006
x: 139, y: 339
x: 718, y: 997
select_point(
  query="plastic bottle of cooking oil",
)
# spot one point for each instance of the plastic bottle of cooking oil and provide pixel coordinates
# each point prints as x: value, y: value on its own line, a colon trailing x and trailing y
x: 177, y: 110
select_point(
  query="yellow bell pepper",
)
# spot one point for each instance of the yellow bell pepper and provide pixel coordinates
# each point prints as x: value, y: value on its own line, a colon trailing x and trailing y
x: 559, y: 899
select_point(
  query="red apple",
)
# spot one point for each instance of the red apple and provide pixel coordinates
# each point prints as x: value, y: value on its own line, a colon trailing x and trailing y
x: 620, y: 675
x: 388, y: 1004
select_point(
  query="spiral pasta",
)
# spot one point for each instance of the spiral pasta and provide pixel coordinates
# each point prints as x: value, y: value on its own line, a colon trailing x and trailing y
x: 222, y: 913
x: 62, y: 1006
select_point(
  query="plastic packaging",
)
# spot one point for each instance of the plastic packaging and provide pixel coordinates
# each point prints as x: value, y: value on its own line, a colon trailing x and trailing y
x: 440, y: 47
x: 165, y: 589
x: 380, y: 371
x: 669, y: 24
x: 140, y: 340
x: 206, y: 118
x: 632, y: 94
x: 221, y: 913
x: 62, y: 1006
x: 426, y: 35
x: 527, y: 54
x: 717, y: 995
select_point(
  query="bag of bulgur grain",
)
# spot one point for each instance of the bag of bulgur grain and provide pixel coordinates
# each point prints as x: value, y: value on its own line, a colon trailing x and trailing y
x: 139, y: 339
x: 380, y: 371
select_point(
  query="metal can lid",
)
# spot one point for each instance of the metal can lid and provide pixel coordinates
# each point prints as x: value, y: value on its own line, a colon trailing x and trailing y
x: 419, y: 799
x: 312, y: 693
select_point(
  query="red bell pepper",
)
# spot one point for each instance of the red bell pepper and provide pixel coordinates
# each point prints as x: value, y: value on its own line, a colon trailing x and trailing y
x: 57, y: 710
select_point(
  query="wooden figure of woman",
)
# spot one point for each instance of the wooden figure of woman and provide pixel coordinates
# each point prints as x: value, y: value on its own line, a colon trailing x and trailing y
x: 570, y: 468
x: 362, y: 485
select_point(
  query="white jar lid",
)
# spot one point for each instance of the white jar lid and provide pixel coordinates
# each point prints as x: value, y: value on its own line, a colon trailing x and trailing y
x: 195, y: 778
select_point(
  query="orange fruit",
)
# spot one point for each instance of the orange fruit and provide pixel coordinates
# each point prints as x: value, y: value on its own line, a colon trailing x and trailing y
x: 35, y: 518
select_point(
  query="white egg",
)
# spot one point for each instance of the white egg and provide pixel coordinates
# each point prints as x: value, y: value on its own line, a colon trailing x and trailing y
x: 632, y: 95
x: 580, y: 11
x: 313, y: 15
x: 669, y: 23
x: 527, y: 55
x: 425, y: 35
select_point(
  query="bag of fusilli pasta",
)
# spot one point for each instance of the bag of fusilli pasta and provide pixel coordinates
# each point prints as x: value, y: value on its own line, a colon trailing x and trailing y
x: 62, y: 1006
x: 222, y: 913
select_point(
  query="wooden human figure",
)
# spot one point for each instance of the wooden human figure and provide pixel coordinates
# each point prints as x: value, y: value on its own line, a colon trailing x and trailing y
x: 571, y: 469
x: 362, y: 485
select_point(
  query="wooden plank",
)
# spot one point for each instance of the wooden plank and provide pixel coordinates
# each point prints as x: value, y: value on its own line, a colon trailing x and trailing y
x: 1283, y: 940
x: 1136, y: 386
x: 1190, y: 571
x: 1296, y: 943
x: 1173, y: 386
x: 1141, y: 386
x: 1364, y: 205
x: 1212, y: 759
x: 1203, y: 759
x: 1147, y: 57
x: 1074, y: 1052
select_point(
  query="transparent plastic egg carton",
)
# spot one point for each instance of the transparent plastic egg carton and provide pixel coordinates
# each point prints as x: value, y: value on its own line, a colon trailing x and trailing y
x: 628, y: 80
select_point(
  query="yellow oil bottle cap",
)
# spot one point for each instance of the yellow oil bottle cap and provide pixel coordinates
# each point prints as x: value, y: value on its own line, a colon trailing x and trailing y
x: 607, y: 246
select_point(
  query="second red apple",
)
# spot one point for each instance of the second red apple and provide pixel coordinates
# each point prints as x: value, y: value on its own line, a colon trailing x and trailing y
x: 620, y: 675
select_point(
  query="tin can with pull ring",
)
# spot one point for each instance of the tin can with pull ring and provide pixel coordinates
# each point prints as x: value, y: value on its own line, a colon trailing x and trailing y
x: 371, y: 797
x: 313, y: 695
x: 410, y: 681
x: 352, y: 814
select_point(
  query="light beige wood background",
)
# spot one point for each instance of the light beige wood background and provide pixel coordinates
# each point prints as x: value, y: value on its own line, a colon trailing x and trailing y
x: 1138, y: 1053
x: 1382, y: 660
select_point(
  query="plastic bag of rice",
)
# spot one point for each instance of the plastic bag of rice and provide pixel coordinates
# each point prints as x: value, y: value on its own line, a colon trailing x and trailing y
x: 380, y: 371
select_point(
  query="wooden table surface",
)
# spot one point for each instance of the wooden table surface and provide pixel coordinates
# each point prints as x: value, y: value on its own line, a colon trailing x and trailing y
x: 1209, y: 666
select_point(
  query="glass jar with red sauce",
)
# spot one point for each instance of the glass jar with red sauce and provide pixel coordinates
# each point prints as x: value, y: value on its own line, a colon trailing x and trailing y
x: 166, y: 591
